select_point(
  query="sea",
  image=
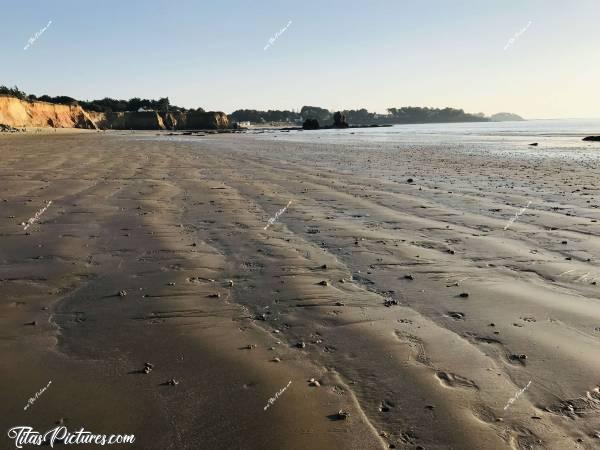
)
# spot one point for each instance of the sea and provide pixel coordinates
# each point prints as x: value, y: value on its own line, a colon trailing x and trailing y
x: 558, y: 138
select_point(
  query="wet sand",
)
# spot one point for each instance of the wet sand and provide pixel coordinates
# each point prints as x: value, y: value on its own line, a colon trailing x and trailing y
x: 361, y: 283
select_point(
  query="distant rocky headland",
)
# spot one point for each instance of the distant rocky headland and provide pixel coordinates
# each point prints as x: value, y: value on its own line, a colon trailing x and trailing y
x: 310, y: 116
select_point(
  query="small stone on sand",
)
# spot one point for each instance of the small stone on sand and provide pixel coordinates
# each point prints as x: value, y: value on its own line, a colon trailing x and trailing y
x: 389, y: 302
x: 342, y: 415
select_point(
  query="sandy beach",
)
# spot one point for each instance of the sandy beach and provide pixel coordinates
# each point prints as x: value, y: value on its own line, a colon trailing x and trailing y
x: 421, y: 289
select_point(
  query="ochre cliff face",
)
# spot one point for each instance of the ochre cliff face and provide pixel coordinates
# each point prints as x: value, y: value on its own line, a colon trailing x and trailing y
x: 21, y: 113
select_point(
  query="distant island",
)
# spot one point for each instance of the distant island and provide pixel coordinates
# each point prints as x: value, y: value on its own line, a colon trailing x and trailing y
x: 138, y: 113
x: 506, y: 117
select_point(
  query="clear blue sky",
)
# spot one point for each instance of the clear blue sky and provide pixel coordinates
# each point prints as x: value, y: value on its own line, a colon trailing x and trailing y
x: 336, y: 54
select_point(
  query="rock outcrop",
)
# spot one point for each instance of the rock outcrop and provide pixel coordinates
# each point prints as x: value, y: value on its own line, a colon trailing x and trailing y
x: 9, y: 129
x: 17, y: 113
x: 339, y: 120
x: 205, y: 120
x: 151, y: 120
x: 311, y: 124
x: 592, y: 138
x: 129, y: 120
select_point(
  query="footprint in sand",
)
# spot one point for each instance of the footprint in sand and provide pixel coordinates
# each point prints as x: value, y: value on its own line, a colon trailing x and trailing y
x: 583, y: 406
x: 528, y: 319
x: 456, y: 315
x: 455, y: 381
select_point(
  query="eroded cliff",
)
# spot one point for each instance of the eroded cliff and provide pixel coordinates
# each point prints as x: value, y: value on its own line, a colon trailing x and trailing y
x: 22, y: 113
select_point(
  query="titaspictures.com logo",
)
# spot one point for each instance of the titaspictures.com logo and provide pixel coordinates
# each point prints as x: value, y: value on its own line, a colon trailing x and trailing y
x: 24, y: 435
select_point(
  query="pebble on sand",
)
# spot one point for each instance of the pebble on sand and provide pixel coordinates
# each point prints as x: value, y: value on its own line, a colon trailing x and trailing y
x: 324, y: 283
x: 313, y: 382
x: 464, y: 294
x: 343, y: 415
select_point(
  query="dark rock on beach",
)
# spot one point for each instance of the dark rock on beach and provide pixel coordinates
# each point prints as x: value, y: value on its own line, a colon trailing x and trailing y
x: 311, y: 124
x: 339, y: 120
